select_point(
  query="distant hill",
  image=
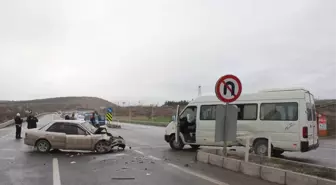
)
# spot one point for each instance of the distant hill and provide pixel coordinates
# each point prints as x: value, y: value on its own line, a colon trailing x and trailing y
x: 325, y: 102
x: 8, y: 109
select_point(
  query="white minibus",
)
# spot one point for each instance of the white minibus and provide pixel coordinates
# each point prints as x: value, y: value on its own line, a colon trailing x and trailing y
x: 287, y: 116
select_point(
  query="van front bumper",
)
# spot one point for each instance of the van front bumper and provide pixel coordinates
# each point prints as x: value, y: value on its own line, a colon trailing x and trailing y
x: 305, y: 146
x: 166, y: 138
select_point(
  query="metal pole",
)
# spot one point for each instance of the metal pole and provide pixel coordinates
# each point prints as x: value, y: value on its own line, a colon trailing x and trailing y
x: 247, y: 148
x: 225, y: 143
x: 269, y: 149
x: 152, y: 114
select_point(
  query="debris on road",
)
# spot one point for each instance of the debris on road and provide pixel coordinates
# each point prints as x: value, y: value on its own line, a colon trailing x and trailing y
x: 73, y: 162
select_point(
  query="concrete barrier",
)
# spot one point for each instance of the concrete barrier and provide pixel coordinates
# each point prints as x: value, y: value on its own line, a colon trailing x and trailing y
x: 293, y: 178
x: 321, y: 181
x: 203, y: 157
x: 273, y: 174
x: 11, y: 122
x: 267, y: 173
x: 216, y: 160
x: 231, y: 164
x: 250, y: 169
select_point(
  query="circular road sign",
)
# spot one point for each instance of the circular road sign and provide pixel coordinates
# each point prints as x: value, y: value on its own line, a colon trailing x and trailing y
x: 228, y: 88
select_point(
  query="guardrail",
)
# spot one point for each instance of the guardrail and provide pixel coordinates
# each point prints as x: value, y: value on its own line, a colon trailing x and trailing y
x: 11, y: 122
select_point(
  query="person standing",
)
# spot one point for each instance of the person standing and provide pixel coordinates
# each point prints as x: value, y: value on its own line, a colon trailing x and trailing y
x: 32, y: 121
x: 73, y: 116
x: 18, y: 124
x: 93, y: 119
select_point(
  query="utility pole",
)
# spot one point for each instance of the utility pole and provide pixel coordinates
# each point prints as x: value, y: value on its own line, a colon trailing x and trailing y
x: 152, y: 112
x: 129, y: 111
x: 199, y: 90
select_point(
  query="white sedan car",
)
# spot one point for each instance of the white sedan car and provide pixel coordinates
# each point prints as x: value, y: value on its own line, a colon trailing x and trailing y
x: 72, y: 135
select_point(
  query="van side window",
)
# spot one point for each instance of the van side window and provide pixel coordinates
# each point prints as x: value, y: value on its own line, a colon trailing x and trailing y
x: 247, y: 111
x: 208, y: 112
x: 191, y: 110
x: 279, y: 111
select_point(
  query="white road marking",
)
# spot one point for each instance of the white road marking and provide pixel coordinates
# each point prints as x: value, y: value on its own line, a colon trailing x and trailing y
x: 186, y: 170
x: 4, y: 136
x: 139, y: 152
x: 56, y: 174
x: 7, y: 158
x: 8, y: 149
x: 155, y: 158
x: 197, y: 175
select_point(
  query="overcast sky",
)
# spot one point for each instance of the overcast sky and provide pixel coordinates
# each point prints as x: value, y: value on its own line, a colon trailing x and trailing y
x: 154, y: 50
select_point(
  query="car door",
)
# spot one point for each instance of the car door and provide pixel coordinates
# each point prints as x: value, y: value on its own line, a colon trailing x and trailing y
x: 56, y: 136
x: 77, y: 138
x: 206, y: 123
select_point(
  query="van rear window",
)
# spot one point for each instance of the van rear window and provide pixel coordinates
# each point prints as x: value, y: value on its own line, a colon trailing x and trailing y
x: 279, y: 111
x: 311, y: 114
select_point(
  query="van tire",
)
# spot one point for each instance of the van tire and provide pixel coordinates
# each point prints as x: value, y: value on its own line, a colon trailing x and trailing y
x: 260, y: 146
x: 174, y: 145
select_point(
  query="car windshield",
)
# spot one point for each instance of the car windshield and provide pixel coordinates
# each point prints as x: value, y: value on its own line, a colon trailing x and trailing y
x: 89, y: 127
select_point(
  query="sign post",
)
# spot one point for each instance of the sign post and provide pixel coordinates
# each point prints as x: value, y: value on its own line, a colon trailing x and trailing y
x: 228, y: 89
x: 109, y: 115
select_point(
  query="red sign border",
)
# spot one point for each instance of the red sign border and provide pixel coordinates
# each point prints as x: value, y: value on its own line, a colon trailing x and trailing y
x: 217, y: 90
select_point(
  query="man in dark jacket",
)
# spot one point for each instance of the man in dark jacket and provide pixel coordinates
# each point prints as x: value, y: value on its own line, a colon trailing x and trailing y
x: 18, y: 124
x: 32, y: 121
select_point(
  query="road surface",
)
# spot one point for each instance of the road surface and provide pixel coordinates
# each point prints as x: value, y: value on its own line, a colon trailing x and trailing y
x: 148, y: 162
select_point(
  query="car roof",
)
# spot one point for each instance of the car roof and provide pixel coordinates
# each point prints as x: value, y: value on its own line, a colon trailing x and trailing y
x: 70, y: 121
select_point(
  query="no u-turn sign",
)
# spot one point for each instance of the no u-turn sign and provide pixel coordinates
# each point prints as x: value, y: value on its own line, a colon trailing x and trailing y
x: 228, y: 88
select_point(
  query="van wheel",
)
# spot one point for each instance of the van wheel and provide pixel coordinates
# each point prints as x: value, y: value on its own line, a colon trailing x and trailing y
x: 174, y: 145
x: 261, y: 147
x: 195, y: 147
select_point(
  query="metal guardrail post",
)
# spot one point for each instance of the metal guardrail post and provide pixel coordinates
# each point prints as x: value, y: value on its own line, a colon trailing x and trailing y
x: 269, y: 149
x: 247, y: 149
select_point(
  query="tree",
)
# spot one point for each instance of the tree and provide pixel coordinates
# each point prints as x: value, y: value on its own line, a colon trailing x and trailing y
x: 175, y: 103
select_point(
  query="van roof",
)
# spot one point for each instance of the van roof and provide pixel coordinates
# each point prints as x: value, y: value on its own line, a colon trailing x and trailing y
x: 273, y: 94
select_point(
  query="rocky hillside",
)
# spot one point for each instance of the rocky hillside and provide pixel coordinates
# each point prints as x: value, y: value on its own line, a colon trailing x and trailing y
x: 9, y: 108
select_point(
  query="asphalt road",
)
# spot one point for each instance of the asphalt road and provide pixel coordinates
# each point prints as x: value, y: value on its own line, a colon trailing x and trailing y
x: 147, y: 160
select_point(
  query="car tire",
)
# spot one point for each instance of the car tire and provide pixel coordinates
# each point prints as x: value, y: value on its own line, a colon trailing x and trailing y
x: 43, y: 145
x: 195, y: 147
x: 261, y: 147
x: 174, y: 145
x: 100, y: 147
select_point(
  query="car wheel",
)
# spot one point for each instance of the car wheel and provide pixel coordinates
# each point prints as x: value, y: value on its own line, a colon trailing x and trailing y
x: 43, y: 145
x: 100, y: 147
x: 195, y: 147
x: 174, y: 145
x: 261, y: 147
